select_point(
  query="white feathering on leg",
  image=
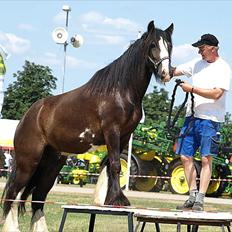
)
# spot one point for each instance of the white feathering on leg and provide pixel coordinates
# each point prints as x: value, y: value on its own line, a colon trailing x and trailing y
x: 101, y: 188
x: 38, y: 223
x: 11, y: 221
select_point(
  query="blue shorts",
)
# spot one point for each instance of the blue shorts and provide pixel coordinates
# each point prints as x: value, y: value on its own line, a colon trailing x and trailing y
x: 198, y: 133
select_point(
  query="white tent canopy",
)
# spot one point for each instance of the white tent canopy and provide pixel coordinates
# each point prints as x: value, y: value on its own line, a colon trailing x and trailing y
x: 7, y: 131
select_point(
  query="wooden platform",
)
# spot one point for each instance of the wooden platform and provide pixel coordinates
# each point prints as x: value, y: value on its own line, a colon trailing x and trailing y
x: 192, y: 219
x: 93, y: 210
x: 157, y: 216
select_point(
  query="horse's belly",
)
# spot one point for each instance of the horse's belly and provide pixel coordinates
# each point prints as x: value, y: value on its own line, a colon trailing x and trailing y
x: 76, y: 142
x: 79, y: 150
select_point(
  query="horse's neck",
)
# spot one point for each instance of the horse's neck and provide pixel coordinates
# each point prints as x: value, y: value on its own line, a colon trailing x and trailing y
x: 139, y: 74
x: 139, y: 84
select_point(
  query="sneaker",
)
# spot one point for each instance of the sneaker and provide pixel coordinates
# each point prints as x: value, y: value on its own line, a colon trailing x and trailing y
x: 198, y: 206
x: 187, y: 205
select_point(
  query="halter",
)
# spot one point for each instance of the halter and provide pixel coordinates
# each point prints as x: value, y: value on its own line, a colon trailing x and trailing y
x: 157, y: 63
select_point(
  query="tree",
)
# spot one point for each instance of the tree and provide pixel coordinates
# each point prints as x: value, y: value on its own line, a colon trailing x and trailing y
x: 33, y: 83
x: 156, y: 106
x: 226, y: 131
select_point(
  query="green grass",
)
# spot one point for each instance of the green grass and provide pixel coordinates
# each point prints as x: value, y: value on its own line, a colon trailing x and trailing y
x: 103, y: 223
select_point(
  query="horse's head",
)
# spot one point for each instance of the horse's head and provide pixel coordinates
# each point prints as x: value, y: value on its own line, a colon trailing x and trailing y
x: 159, y: 51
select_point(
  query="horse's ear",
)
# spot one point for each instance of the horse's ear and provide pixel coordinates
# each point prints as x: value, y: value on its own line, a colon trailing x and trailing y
x: 151, y: 27
x: 170, y: 29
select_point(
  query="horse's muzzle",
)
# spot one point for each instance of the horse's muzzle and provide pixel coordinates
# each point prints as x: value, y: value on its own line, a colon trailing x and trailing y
x: 165, y: 77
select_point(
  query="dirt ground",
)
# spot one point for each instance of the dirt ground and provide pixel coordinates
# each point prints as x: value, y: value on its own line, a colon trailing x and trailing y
x: 89, y: 190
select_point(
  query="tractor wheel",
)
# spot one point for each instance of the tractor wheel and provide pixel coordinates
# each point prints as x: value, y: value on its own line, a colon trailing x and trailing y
x: 159, y: 182
x: 216, y: 188
x: 149, y: 168
x: 178, y: 183
x: 133, y: 170
x: 76, y: 181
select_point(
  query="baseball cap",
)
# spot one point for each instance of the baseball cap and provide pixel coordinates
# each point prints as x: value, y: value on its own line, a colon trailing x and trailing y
x: 206, y: 39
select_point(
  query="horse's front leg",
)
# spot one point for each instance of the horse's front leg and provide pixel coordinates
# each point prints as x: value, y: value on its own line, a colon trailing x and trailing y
x: 114, y: 194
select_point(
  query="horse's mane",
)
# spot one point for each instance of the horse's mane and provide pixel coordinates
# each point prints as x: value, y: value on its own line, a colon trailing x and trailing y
x: 120, y: 73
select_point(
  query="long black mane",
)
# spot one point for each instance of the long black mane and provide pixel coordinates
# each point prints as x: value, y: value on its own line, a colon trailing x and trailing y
x: 121, y: 73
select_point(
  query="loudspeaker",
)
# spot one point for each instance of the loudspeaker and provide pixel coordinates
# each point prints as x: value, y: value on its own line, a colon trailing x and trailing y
x: 60, y: 35
x: 77, y: 41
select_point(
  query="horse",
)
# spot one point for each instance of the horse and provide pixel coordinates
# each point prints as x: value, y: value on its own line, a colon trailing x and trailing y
x: 105, y: 110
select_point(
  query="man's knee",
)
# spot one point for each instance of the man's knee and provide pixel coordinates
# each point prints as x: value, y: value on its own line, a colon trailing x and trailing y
x: 206, y: 161
x: 186, y: 160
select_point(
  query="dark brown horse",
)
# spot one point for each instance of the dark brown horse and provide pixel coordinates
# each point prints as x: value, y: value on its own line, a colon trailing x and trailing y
x: 106, y: 110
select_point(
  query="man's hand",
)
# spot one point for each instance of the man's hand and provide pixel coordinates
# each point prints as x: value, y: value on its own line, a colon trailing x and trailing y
x: 186, y: 87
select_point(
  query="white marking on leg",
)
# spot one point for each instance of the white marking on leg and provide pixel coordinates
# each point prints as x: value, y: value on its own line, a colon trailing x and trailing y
x: 86, y: 135
x: 101, y: 188
x: 38, y: 222
x: 11, y: 222
x: 82, y: 134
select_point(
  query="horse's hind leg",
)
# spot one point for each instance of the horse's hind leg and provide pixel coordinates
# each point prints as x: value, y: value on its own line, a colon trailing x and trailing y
x: 48, y: 170
x: 14, y: 190
x: 23, y: 169
x: 11, y: 221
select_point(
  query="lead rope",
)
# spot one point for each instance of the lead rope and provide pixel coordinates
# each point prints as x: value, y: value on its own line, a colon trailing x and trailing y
x: 171, y: 124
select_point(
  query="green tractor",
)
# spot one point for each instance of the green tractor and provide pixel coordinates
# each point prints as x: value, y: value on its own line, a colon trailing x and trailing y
x: 151, y: 144
x: 73, y: 173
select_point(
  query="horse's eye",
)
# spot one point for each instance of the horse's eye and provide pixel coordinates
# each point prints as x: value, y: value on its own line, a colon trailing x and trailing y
x: 153, y: 44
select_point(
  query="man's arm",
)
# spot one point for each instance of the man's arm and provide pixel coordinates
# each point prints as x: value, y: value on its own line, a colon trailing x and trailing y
x: 214, y: 93
x: 176, y: 72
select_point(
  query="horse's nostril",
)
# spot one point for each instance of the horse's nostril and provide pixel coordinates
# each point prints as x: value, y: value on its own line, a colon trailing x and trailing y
x: 165, y: 73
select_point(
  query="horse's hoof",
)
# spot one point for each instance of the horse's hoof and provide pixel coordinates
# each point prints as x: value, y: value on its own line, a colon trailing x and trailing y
x: 117, y: 201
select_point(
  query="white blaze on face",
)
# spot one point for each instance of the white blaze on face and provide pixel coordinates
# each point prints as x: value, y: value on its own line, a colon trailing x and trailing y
x: 164, y: 53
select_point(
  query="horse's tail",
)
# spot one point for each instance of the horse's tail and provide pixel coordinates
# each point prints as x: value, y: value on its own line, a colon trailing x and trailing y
x: 6, y: 203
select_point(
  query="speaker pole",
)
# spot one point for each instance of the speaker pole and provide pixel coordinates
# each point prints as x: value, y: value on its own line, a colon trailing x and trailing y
x: 66, y: 9
x: 60, y: 36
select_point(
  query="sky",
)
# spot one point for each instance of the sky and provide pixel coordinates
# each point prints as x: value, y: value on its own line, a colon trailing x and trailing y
x: 107, y: 28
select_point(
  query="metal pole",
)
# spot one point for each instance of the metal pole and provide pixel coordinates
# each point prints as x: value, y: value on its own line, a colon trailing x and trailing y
x: 64, y: 66
x: 129, y: 162
x: 65, y: 51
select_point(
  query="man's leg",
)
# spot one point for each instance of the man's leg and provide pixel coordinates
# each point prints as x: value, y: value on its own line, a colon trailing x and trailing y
x: 206, y: 173
x: 190, y: 174
x: 189, y: 171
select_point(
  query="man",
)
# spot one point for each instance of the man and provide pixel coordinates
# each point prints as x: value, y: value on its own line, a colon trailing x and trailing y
x: 210, y: 81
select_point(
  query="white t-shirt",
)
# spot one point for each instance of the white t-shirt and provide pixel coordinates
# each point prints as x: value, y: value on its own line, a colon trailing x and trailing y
x: 208, y: 76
